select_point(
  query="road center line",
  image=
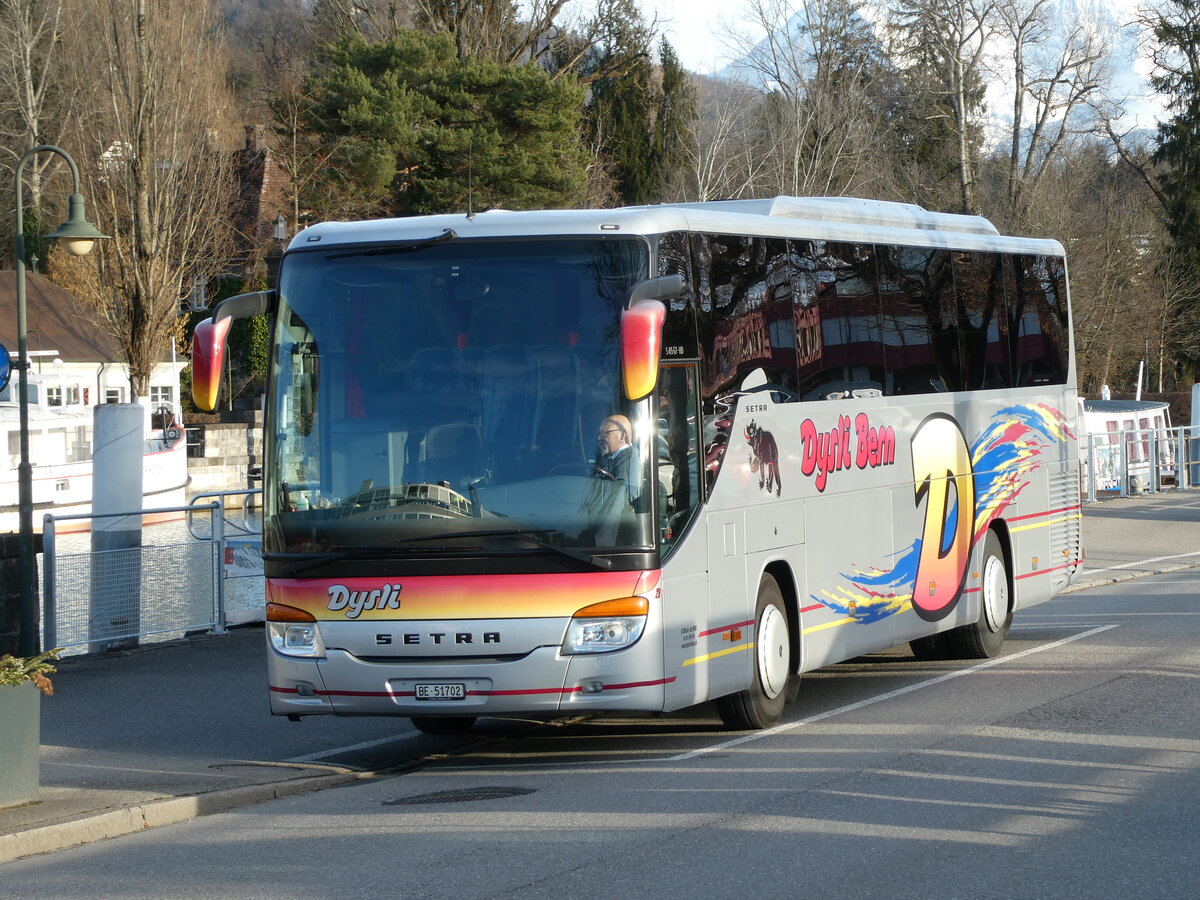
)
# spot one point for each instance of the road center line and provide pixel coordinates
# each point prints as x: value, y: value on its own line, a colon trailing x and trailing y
x: 325, y: 754
x: 791, y: 726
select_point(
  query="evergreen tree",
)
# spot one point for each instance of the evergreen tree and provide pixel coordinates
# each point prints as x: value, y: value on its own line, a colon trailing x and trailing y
x: 621, y: 113
x: 675, y: 125
x: 941, y: 44
x: 1176, y: 29
x: 408, y: 128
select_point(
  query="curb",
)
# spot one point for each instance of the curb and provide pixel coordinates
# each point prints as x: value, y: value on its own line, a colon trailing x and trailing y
x: 48, y: 838
x: 1118, y: 579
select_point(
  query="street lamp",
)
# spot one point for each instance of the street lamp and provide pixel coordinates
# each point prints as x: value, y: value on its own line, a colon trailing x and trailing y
x: 76, y: 235
x: 275, y: 254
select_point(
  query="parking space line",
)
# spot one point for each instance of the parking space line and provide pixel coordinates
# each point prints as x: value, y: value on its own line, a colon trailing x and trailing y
x: 791, y: 726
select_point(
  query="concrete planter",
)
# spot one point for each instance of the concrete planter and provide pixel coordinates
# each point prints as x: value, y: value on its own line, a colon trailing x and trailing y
x: 20, y: 739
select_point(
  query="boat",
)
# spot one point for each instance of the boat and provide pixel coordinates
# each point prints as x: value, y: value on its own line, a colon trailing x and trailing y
x: 1145, y: 427
x: 60, y: 451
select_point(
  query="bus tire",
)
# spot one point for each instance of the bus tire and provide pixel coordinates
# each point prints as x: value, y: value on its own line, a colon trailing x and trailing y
x: 443, y: 724
x: 928, y: 648
x: 761, y: 704
x: 985, y: 638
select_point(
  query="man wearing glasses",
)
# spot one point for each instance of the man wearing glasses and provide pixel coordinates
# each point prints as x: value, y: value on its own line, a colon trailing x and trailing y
x: 615, y: 483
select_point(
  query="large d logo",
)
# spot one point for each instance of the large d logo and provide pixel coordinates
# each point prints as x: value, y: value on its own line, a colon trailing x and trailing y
x: 943, y: 479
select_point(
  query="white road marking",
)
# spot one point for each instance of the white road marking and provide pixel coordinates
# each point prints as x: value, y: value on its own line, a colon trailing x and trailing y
x: 1141, y: 562
x: 325, y: 754
x: 791, y: 726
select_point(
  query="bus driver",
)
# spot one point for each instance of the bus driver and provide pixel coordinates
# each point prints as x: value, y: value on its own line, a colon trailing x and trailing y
x: 615, y: 487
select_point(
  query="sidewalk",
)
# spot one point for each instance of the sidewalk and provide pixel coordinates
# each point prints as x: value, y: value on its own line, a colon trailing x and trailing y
x: 159, y: 735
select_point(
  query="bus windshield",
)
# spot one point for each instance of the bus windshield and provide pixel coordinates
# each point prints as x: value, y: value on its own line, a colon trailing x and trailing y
x: 456, y: 397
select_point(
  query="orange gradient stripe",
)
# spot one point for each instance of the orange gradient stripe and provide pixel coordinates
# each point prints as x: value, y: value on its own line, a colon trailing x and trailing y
x: 463, y: 596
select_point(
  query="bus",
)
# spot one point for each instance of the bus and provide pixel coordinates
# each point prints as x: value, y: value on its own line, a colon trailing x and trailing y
x: 560, y: 462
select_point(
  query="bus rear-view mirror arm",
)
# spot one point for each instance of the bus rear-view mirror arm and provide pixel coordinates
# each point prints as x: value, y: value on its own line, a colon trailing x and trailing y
x: 208, y: 343
x: 641, y: 332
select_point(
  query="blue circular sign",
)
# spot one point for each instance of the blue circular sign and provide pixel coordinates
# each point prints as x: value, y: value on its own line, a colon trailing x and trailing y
x: 5, y: 367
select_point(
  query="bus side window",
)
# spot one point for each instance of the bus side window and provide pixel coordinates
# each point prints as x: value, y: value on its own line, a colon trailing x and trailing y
x: 679, y: 456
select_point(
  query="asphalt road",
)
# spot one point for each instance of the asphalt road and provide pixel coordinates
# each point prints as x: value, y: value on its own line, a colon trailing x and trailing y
x: 1068, y: 767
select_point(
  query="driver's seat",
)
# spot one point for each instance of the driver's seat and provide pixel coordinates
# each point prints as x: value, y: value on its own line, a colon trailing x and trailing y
x: 452, y: 452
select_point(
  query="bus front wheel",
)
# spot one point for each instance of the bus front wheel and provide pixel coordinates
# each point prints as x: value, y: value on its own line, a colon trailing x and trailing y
x: 761, y: 704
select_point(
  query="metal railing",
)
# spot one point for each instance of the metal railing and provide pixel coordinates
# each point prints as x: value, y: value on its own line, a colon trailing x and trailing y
x: 1138, y: 461
x: 167, y: 581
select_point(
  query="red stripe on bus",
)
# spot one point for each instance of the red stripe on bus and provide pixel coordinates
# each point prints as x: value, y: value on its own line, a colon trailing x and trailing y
x: 1049, y: 512
x: 511, y: 693
x: 1066, y: 565
x: 721, y: 628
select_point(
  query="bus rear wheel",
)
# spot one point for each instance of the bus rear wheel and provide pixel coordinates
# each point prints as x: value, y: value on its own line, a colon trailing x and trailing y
x: 443, y: 724
x: 985, y: 638
x: 761, y: 704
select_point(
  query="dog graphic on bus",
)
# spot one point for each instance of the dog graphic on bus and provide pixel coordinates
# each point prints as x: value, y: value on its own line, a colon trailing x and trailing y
x: 764, y: 458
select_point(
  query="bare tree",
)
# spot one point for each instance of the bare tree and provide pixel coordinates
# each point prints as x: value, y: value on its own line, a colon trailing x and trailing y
x: 1056, y: 76
x: 33, y: 103
x: 945, y: 41
x: 160, y: 183
x: 373, y: 20
x: 723, y: 162
x: 820, y: 125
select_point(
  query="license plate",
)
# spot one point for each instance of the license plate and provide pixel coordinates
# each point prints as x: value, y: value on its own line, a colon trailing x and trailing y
x: 442, y: 691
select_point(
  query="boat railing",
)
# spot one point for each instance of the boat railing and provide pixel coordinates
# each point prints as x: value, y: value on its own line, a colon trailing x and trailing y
x: 1139, y: 461
x: 105, y: 589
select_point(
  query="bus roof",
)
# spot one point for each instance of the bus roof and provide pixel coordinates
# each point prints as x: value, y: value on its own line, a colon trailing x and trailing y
x: 827, y: 218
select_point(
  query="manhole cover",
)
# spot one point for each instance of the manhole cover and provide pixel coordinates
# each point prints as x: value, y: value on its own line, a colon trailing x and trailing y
x: 479, y: 793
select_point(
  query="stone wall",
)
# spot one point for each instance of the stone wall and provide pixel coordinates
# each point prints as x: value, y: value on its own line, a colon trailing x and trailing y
x: 222, y: 455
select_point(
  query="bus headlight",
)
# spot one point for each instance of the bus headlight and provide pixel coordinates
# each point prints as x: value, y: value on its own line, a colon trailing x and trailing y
x: 607, y: 626
x: 293, y: 632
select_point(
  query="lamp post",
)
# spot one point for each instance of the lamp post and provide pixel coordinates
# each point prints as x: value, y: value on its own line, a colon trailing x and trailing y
x: 77, y: 236
x: 275, y: 254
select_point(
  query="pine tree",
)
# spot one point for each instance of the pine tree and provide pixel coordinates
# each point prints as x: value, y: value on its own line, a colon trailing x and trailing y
x: 1176, y: 29
x: 408, y: 128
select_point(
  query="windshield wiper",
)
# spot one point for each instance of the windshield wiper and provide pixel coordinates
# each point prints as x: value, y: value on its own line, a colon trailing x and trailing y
x: 529, y: 534
x: 448, y: 235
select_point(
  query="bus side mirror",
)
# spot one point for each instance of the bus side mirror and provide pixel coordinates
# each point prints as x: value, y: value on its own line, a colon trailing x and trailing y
x: 641, y: 333
x: 208, y: 343
x: 208, y: 359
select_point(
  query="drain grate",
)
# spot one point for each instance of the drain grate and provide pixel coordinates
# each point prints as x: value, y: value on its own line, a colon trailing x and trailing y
x: 466, y: 796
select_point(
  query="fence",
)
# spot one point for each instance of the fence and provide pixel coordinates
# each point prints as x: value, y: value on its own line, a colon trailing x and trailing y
x: 168, y: 581
x: 1140, y: 460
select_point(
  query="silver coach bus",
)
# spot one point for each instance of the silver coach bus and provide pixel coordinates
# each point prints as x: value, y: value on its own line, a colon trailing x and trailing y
x: 568, y: 461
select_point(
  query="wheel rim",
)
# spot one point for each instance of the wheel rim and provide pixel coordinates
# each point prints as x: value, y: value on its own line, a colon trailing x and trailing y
x: 995, y: 593
x: 772, y: 649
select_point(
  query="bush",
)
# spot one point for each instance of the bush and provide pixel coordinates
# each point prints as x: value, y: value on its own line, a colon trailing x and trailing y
x: 15, y: 670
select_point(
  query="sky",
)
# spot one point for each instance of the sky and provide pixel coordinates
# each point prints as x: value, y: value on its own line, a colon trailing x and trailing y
x: 699, y: 30
x: 696, y: 29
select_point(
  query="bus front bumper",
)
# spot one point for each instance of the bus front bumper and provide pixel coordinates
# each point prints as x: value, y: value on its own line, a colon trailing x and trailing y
x: 543, y: 682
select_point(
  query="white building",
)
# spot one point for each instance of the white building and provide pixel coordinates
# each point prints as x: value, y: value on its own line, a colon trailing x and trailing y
x: 74, y: 361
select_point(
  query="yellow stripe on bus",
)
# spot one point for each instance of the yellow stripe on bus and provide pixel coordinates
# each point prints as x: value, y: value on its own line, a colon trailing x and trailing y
x: 849, y: 620
x: 834, y: 624
x: 1047, y: 523
x: 725, y: 652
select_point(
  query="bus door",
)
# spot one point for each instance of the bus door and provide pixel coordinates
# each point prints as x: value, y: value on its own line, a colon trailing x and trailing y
x: 683, y: 532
